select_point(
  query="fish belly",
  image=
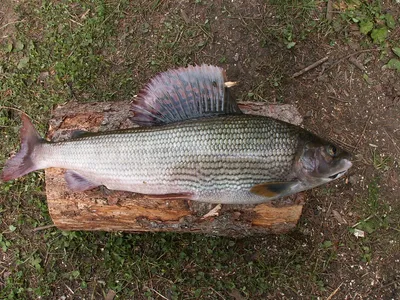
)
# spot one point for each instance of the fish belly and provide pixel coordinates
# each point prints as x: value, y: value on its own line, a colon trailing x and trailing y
x: 215, y: 159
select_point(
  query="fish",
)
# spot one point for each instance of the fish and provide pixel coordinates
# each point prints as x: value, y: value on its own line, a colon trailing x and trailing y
x: 193, y: 142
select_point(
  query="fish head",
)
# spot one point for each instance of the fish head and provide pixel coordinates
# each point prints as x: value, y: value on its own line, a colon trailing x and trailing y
x: 320, y: 162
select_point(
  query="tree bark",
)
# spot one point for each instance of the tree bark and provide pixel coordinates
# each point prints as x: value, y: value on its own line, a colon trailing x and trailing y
x: 123, y: 211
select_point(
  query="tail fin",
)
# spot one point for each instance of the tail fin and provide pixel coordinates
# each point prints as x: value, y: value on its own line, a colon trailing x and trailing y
x: 21, y: 163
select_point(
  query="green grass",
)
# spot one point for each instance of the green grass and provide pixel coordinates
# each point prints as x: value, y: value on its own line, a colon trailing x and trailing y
x: 104, y: 51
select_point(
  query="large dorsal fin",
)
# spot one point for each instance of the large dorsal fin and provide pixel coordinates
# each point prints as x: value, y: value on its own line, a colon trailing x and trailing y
x: 182, y: 94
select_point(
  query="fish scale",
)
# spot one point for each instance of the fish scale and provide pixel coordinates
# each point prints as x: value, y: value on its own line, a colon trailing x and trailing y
x: 206, y: 155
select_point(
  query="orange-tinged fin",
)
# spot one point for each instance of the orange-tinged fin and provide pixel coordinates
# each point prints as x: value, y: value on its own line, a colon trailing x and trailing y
x: 21, y: 163
x: 272, y: 189
x: 182, y: 94
x: 77, y: 183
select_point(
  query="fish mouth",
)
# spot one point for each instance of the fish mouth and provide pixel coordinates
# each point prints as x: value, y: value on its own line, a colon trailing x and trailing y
x: 337, y: 175
x: 347, y: 165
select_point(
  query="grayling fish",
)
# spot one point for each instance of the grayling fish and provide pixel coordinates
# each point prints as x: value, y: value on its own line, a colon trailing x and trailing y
x: 194, y: 142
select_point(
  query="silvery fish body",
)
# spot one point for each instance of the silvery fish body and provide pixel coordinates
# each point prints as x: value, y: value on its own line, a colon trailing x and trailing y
x: 218, y: 157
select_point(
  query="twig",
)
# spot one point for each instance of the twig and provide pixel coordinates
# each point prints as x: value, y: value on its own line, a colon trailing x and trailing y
x: 178, y: 38
x: 334, y: 292
x: 43, y: 227
x: 314, y: 65
x: 94, y: 288
x: 185, y: 17
x: 218, y: 293
x: 72, y: 292
x: 76, y: 22
x: 13, y: 108
x: 393, y: 141
x: 365, y: 220
x: 362, y: 134
x: 11, y: 23
x: 337, y: 99
x: 350, y: 55
x: 329, y: 11
x: 159, y: 294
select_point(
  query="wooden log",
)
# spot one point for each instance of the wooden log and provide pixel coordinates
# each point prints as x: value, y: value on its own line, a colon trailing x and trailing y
x: 123, y: 211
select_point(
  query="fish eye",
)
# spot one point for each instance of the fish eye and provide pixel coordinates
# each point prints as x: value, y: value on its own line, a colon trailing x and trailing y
x: 331, y: 150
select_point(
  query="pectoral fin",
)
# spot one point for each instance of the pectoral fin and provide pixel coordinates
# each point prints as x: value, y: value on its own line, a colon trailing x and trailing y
x: 274, y: 189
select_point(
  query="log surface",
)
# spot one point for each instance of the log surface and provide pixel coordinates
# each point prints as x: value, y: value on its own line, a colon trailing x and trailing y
x: 123, y: 211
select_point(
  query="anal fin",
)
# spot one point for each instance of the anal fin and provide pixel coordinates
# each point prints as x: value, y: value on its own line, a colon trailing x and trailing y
x: 77, y: 182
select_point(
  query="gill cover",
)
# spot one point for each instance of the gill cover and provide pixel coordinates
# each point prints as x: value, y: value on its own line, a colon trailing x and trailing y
x: 322, y: 161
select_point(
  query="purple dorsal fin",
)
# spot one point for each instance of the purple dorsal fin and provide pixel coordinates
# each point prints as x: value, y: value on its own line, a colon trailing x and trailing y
x: 182, y: 94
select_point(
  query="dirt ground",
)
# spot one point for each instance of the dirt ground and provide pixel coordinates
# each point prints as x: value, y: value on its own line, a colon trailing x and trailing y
x: 355, y: 103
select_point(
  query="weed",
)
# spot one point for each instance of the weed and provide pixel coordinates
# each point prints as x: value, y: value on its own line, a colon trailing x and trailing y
x: 299, y: 19
x: 372, y: 21
x: 381, y: 162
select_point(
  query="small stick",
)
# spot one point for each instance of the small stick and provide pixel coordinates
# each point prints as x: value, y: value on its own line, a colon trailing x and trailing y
x: 185, y: 17
x: 337, y: 99
x: 334, y: 292
x: 365, y: 220
x: 350, y: 55
x: 76, y: 22
x: 329, y: 10
x: 159, y: 294
x: 314, y: 65
x: 218, y: 293
x: 362, y: 134
x: 43, y: 227
x: 13, y: 108
x: 72, y: 292
x: 393, y: 141
x: 11, y: 23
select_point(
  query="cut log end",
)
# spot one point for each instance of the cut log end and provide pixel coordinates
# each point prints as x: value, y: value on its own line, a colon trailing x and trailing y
x: 124, y: 211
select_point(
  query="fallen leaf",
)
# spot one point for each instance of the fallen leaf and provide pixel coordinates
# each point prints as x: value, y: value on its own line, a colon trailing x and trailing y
x: 396, y: 50
x: 366, y: 26
x: 23, y: 62
x: 379, y: 35
x: 290, y: 45
x: 110, y: 295
x: 338, y: 217
x: 19, y: 46
x: 393, y: 64
x: 235, y: 294
x: 390, y: 21
x: 359, y: 233
x: 9, y: 47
